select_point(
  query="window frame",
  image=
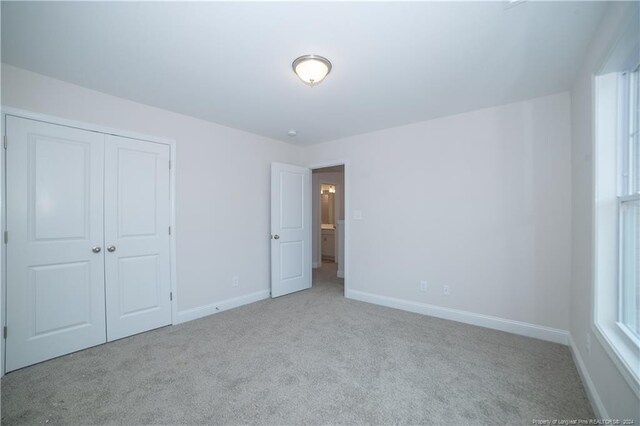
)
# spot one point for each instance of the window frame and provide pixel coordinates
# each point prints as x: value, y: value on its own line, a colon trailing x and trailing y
x: 628, y: 192
x: 618, y: 342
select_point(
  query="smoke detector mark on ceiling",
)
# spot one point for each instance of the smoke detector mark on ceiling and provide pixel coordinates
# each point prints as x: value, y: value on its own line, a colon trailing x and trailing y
x: 508, y: 4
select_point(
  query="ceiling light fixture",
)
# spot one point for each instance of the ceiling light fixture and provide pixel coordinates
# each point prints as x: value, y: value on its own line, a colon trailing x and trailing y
x: 311, y: 69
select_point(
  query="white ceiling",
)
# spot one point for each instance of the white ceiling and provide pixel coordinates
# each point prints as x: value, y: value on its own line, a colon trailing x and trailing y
x: 230, y: 63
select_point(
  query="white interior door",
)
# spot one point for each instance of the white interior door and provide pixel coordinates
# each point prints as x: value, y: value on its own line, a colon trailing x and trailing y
x: 290, y: 229
x: 137, y: 268
x: 55, y: 265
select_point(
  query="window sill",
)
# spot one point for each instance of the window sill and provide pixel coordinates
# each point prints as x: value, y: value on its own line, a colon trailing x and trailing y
x: 622, y: 351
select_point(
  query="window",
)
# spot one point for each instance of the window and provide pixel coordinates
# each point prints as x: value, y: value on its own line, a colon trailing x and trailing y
x: 617, y: 219
x: 629, y: 205
x: 616, y: 214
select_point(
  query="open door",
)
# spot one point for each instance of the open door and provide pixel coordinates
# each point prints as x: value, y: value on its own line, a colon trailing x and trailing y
x: 290, y: 229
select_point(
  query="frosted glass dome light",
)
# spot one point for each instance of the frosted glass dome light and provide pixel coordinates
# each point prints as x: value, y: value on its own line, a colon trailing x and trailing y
x: 311, y: 69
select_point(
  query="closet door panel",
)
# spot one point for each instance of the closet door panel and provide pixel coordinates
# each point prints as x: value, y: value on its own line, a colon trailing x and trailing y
x: 55, y: 265
x: 137, y: 221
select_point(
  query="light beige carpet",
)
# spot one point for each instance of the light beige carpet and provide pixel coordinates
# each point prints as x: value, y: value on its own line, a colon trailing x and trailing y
x: 312, y: 357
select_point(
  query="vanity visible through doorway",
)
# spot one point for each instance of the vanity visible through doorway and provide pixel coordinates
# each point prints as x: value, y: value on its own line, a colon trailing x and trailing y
x: 328, y: 218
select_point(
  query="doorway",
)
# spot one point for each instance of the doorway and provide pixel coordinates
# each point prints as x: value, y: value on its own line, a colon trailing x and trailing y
x: 297, y: 225
x: 328, y: 219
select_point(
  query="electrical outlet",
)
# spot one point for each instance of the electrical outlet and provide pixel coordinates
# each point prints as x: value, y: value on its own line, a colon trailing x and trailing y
x: 235, y: 281
x: 445, y: 290
x: 588, y: 342
x: 423, y: 285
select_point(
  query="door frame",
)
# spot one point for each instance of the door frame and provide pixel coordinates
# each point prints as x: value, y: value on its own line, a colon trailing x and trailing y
x: 10, y: 111
x: 347, y: 203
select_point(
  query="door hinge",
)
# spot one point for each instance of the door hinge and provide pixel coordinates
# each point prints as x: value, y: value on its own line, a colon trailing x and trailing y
x: 4, y: 332
x: 169, y: 230
x: 4, y: 142
x: 6, y: 237
x: 170, y: 295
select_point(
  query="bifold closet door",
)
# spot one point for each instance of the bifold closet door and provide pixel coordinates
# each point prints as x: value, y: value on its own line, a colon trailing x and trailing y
x: 137, y: 206
x: 55, y: 263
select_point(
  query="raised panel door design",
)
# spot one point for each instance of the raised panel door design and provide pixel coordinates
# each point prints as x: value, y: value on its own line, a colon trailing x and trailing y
x: 53, y: 286
x: 138, y: 284
x: 137, y: 191
x: 137, y: 271
x: 55, y: 281
x: 291, y: 200
x: 291, y: 260
x: 290, y: 223
x: 58, y: 202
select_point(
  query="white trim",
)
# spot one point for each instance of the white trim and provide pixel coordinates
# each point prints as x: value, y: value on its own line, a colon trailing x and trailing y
x: 3, y: 252
x: 510, y: 326
x: 590, y: 387
x: 223, y: 305
x: 614, y: 351
x: 347, y: 207
x: 5, y: 111
x: 340, y: 272
x: 174, y: 231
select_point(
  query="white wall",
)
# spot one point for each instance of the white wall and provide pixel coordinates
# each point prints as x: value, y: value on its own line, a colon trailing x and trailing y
x: 613, y: 397
x: 222, y: 183
x: 479, y: 201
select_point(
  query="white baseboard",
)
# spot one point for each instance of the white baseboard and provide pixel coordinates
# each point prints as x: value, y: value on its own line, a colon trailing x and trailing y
x: 592, y: 393
x: 223, y: 305
x: 510, y: 326
x: 340, y: 274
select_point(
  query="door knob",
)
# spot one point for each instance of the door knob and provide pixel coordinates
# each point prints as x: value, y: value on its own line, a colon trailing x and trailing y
x: 111, y: 249
x: 96, y: 249
x: 276, y: 237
